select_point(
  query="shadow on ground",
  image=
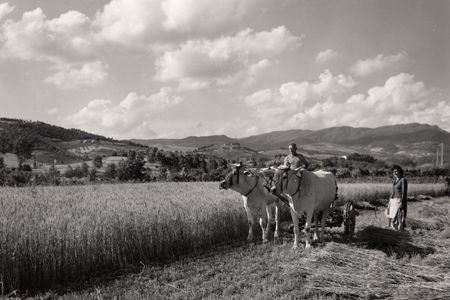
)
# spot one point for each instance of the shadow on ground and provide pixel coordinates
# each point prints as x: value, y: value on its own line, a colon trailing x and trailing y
x: 391, y: 242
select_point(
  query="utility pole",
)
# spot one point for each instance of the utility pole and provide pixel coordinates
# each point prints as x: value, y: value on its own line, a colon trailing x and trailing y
x: 437, y: 157
x: 442, y: 154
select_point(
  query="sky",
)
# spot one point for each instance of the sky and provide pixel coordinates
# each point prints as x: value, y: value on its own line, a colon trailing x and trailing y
x: 176, y: 68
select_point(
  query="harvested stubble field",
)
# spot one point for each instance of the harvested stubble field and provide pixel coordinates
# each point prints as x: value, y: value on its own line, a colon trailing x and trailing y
x: 186, y: 240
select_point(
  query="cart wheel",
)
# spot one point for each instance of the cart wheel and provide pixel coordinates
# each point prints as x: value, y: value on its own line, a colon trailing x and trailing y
x: 349, y: 218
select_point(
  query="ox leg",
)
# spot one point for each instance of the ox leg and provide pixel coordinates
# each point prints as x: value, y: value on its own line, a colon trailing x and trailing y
x: 316, y: 226
x: 250, y: 219
x: 277, y: 222
x: 307, y: 229
x: 250, y: 230
x: 296, y: 231
x: 322, y: 224
x: 269, y: 220
x: 263, y: 222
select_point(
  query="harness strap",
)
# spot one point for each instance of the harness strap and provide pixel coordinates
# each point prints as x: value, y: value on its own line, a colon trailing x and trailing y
x: 298, y: 189
x: 287, y: 183
x: 282, y: 199
x: 279, y: 196
x: 253, y: 188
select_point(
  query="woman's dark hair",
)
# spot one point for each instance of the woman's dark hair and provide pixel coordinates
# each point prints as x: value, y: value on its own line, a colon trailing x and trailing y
x: 398, y: 169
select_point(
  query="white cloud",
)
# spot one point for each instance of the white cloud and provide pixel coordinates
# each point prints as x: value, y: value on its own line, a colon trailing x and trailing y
x: 129, y: 22
x: 133, y: 116
x: 260, y: 97
x: 303, y: 95
x: 203, y: 15
x: 380, y: 62
x: 326, y: 56
x: 274, y: 108
x: 141, y: 23
x: 34, y: 37
x: 5, y: 9
x: 401, y: 99
x: 255, y: 70
x: 225, y: 59
x: 66, y: 42
x: 71, y: 77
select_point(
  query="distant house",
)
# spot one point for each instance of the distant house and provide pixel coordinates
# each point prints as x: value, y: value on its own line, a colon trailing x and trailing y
x: 152, y: 169
x: 10, y: 160
x: 231, y: 146
x: 235, y: 146
x: 113, y: 160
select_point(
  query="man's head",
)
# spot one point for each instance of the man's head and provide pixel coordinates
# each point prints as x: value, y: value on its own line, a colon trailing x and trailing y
x: 293, y: 148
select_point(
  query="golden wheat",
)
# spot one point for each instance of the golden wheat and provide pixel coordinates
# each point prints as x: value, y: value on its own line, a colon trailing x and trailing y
x: 51, y: 235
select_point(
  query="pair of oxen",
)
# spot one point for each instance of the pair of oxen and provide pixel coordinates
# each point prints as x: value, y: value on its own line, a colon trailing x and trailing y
x: 304, y: 191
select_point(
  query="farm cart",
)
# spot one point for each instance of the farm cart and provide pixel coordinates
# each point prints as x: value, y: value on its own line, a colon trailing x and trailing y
x: 339, y: 214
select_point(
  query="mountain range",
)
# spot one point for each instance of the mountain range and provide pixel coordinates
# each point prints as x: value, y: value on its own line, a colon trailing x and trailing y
x: 415, y: 141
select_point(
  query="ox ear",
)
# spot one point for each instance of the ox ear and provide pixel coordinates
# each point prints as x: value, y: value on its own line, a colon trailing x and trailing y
x: 267, y: 172
x: 249, y: 163
x: 238, y: 165
x: 248, y: 173
x: 298, y: 172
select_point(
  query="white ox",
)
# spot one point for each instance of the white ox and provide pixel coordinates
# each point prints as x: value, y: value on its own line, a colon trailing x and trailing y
x: 310, y: 192
x: 256, y: 197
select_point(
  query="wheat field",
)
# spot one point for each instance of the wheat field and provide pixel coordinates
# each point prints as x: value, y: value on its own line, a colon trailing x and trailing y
x: 54, y: 235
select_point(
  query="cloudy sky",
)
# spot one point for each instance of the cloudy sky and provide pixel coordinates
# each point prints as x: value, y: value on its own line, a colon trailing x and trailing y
x: 174, y: 68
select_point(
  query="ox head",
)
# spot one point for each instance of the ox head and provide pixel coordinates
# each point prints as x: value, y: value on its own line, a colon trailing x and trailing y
x: 234, y: 178
x: 286, y: 181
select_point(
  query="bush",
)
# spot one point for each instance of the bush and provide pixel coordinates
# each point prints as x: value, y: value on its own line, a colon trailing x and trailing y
x: 26, y: 168
x: 98, y: 162
x: 92, y: 174
x: 69, y: 173
x: 110, y: 172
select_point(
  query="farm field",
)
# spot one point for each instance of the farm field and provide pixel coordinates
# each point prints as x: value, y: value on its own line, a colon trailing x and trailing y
x: 377, y: 263
x: 52, y: 236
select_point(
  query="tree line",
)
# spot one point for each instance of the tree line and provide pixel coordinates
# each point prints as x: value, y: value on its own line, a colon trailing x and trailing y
x: 174, y: 166
x: 192, y: 166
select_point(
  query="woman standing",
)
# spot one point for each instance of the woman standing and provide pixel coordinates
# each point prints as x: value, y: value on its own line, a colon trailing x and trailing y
x: 398, y: 207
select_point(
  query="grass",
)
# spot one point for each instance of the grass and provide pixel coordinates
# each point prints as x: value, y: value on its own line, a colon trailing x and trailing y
x: 377, y: 194
x: 57, y: 234
x: 50, y: 236
x: 377, y: 263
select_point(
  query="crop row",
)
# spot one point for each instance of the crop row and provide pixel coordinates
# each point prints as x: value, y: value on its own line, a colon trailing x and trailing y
x: 53, y: 235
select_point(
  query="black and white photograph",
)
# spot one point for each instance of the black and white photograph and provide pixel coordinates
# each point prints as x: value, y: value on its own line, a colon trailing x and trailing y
x: 224, y: 149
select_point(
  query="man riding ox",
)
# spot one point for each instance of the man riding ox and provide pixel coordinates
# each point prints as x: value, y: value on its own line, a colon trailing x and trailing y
x: 310, y: 192
x: 256, y: 197
x: 294, y: 159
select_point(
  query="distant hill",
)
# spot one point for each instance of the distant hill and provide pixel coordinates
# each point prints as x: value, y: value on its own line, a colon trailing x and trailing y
x: 48, y: 142
x: 49, y: 131
x: 415, y: 141
x: 191, y: 141
x: 405, y: 133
